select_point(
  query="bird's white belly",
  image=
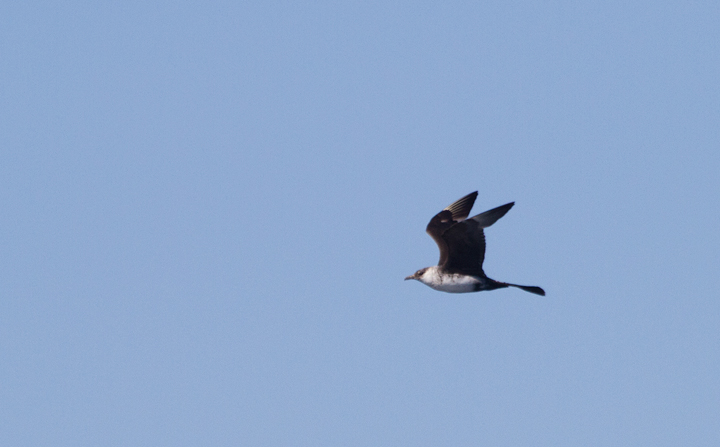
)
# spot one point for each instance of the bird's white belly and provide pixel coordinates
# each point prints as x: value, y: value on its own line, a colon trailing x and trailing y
x: 453, y: 283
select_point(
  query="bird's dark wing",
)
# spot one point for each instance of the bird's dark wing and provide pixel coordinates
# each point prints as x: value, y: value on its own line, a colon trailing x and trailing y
x: 465, y: 242
x: 461, y: 209
x: 446, y: 218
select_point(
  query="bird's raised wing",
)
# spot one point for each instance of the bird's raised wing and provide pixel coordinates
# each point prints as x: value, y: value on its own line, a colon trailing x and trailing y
x: 465, y: 242
x: 446, y: 218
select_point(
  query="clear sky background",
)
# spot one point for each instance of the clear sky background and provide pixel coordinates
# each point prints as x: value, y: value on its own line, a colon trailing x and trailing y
x: 207, y: 210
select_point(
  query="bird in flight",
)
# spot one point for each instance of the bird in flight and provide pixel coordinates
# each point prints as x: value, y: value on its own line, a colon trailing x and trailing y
x: 462, y: 250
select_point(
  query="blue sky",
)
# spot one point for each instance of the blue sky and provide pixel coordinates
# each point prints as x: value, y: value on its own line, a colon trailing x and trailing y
x: 208, y: 210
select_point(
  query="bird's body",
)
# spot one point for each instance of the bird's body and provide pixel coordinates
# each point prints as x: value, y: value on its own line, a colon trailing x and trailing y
x: 462, y: 250
x: 438, y: 279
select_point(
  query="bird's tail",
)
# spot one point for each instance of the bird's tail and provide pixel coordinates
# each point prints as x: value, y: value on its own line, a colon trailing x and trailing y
x: 532, y: 289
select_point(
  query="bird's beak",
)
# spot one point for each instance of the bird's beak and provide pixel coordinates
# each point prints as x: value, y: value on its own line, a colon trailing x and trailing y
x: 410, y: 277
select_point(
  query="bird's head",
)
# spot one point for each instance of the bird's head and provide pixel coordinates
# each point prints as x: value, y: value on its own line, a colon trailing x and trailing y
x: 417, y: 275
